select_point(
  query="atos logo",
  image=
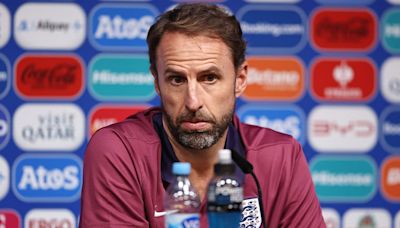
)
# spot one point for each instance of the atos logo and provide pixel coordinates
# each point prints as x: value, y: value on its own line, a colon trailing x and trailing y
x: 367, y: 217
x: 122, y: 27
x: 4, y: 178
x: 341, y: 29
x: 390, y: 129
x: 52, y: 26
x: 4, y: 127
x: 49, y: 76
x: 9, y: 218
x: 57, y: 218
x: 390, y: 178
x: 344, y: 178
x: 391, y: 30
x: 273, y: 29
x: 331, y: 218
x: 390, y: 80
x: 105, y: 115
x: 47, y: 178
x: 49, y: 127
x: 341, y: 79
x: 5, y: 77
x: 342, y: 129
x: 286, y: 119
x: 277, y: 78
x: 121, y: 77
x: 5, y: 25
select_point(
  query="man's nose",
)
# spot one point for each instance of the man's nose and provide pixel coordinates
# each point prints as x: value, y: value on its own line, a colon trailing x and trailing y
x: 193, y: 99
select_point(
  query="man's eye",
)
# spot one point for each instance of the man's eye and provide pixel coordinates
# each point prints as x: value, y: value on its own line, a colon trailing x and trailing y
x: 210, y: 78
x: 177, y: 80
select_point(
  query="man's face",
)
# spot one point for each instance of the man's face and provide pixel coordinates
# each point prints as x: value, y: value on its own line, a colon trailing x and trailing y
x: 198, y: 85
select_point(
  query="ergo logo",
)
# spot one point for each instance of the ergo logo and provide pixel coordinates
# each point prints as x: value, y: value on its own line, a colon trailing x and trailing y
x: 47, y: 178
x: 49, y: 76
x: 343, y: 79
x: 105, y: 115
x: 342, y: 29
x: 342, y: 128
x: 50, y: 217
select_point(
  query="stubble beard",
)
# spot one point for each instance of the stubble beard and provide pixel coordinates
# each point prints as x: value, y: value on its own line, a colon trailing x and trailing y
x: 198, y: 140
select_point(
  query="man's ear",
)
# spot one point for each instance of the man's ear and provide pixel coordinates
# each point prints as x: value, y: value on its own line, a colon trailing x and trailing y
x: 155, y: 76
x: 241, y: 79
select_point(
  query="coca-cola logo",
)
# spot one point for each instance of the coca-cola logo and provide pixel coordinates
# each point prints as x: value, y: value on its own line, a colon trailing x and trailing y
x: 343, y: 29
x: 49, y: 76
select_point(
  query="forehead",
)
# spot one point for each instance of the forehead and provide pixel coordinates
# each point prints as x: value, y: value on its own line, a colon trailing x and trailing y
x: 175, y: 46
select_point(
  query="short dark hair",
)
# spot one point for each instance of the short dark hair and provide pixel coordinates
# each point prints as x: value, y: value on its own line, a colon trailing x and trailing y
x: 199, y: 19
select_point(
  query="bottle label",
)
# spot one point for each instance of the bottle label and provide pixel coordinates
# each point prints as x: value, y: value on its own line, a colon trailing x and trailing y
x: 182, y: 220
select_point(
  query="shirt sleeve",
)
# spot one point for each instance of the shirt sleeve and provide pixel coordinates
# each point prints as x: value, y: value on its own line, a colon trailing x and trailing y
x: 302, y: 207
x: 111, y: 196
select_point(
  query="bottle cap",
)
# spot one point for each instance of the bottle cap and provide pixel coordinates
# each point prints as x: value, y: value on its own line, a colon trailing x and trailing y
x: 225, y: 156
x: 181, y: 168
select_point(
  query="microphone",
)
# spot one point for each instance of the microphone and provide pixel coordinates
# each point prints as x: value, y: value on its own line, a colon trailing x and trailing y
x: 247, y: 168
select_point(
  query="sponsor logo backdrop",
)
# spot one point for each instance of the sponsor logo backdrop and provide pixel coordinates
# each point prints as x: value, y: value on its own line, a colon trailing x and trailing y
x: 324, y: 71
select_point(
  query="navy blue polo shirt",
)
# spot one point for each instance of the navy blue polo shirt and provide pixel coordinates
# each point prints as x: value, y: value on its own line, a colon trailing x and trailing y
x: 168, y: 155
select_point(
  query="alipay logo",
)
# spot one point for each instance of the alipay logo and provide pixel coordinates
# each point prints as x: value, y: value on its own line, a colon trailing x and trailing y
x: 390, y: 129
x: 285, y: 119
x: 49, y: 127
x: 52, y: 26
x: 269, y: 29
x: 344, y: 179
x: 4, y: 178
x: 4, y: 127
x: 121, y: 77
x: 122, y: 27
x: 47, y: 178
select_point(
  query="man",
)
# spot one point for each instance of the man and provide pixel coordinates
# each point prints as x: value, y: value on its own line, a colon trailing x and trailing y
x: 197, y: 60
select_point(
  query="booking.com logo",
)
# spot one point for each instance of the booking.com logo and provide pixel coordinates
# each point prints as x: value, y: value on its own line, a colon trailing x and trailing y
x: 121, y: 26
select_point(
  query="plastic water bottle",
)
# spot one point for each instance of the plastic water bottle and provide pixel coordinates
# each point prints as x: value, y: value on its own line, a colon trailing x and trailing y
x: 225, y: 194
x: 182, y: 202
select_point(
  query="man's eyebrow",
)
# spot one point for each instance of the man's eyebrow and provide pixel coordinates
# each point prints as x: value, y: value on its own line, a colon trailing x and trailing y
x: 172, y: 71
x: 211, y: 70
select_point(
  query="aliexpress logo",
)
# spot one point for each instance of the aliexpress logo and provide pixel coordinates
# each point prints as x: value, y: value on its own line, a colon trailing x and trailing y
x: 105, y: 115
x: 277, y: 78
x: 49, y: 76
x: 390, y: 179
x: 343, y: 29
x: 341, y: 79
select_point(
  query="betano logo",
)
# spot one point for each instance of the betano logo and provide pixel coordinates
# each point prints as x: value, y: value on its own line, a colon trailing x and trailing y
x: 331, y: 217
x: 342, y: 129
x: 278, y: 78
x: 344, y: 178
x: 343, y: 29
x: 390, y: 129
x: 49, y: 127
x: 273, y: 29
x: 51, y: 26
x: 390, y: 79
x: 121, y: 77
x: 104, y: 115
x: 50, y: 217
x: 390, y: 178
x: 5, y: 77
x: 5, y: 25
x: 121, y: 26
x: 4, y: 178
x: 9, y: 218
x: 367, y: 218
x: 343, y: 79
x: 390, y: 30
x: 47, y: 178
x: 49, y: 76
x: 286, y: 119
x: 4, y: 126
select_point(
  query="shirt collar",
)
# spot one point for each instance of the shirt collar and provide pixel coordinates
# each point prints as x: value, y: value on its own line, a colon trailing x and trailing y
x: 168, y: 156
